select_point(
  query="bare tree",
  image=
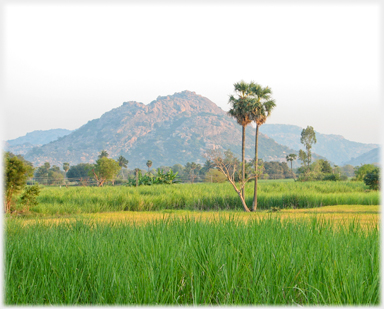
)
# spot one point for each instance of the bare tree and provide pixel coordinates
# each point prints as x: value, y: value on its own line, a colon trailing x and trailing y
x: 228, y: 165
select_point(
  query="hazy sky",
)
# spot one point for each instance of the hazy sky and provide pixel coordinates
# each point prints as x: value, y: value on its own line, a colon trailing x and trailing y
x: 66, y: 64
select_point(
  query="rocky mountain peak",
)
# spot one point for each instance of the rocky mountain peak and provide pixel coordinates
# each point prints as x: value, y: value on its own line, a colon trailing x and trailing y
x: 172, y: 129
x: 186, y: 101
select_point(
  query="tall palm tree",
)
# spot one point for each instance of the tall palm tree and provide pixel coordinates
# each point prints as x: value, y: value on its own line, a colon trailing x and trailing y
x: 149, y: 164
x: 123, y: 162
x: 66, y: 169
x: 290, y: 158
x: 262, y: 108
x: 241, y: 107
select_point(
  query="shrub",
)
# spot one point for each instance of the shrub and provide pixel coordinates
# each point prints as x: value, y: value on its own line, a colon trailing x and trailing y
x: 29, y: 197
x: 214, y: 175
x: 161, y: 178
x: 372, y: 179
x: 363, y: 170
x: 17, y: 171
x: 331, y: 177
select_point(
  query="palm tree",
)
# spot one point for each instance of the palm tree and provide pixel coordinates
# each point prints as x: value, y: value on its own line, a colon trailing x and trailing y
x: 290, y: 158
x: 241, y: 108
x: 123, y: 162
x: 149, y: 164
x: 262, y: 108
x: 193, y: 166
x: 103, y: 154
x: 66, y: 169
x: 137, y: 171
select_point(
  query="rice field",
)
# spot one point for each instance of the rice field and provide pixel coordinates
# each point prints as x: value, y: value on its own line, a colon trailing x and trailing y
x: 188, y: 261
x: 206, y: 196
x: 366, y: 216
x: 154, y: 246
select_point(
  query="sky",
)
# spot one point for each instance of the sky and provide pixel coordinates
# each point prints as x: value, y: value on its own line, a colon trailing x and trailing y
x: 65, y: 64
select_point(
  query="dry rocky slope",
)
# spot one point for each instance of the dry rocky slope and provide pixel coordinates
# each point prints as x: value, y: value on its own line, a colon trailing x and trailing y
x: 172, y: 129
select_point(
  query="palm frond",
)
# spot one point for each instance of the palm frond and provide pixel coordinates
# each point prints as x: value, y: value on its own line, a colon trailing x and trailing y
x: 241, y: 104
x: 262, y: 103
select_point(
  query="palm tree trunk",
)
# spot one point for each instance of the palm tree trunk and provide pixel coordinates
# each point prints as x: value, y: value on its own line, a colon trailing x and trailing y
x: 254, y: 203
x: 243, y: 162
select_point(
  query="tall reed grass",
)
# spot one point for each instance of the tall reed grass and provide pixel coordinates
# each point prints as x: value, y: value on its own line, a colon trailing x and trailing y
x: 183, y: 261
x: 201, y: 197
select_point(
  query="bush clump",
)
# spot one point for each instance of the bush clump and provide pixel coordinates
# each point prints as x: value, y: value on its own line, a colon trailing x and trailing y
x: 372, y: 179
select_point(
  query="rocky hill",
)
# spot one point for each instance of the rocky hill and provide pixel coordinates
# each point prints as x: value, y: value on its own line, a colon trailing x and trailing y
x: 334, y: 147
x: 171, y: 129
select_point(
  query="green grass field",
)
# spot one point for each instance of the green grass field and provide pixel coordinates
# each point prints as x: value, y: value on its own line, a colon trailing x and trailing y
x: 83, y: 246
x: 187, y: 261
x: 207, y: 196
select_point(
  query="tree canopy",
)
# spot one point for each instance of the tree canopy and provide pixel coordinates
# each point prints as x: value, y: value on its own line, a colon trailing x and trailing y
x: 66, y: 167
x: 361, y: 171
x: 103, y: 154
x: 17, y: 171
x: 308, y: 138
x: 105, y: 169
x: 81, y: 170
x: 262, y: 103
x: 123, y: 162
x: 372, y: 179
x: 47, y: 174
x: 149, y: 164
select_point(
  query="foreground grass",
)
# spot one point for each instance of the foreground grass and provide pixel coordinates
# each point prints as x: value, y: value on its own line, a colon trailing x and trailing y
x: 189, y: 261
x: 205, y: 196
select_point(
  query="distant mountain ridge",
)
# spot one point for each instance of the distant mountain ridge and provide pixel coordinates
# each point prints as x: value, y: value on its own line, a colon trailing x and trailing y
x: 23, y: 144
x: 175, y: 129
x: 39, y: 137
x: 334, y: 147
x: 171, y: 129
x: 370, y: 157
